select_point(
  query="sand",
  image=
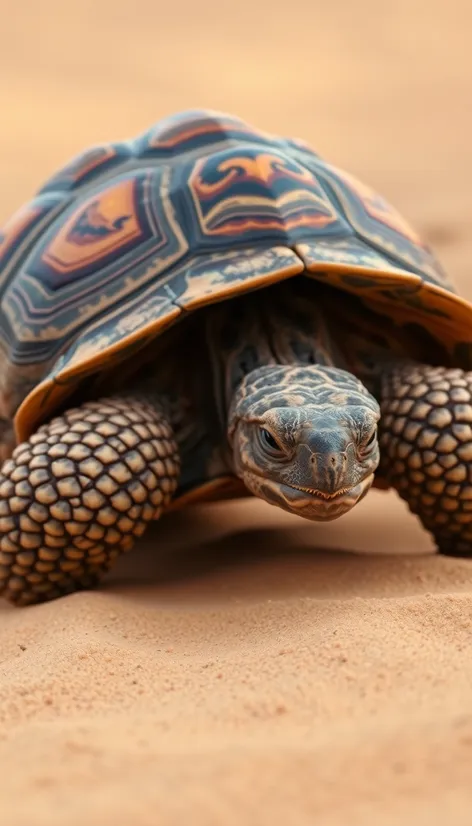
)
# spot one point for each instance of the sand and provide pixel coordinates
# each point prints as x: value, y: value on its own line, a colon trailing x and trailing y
x: 241, y: 666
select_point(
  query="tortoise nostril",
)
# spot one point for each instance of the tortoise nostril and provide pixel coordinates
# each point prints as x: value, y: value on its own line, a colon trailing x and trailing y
x: 333, y: 460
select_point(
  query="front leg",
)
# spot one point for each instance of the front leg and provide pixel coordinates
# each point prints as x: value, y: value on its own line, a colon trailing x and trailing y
x: 79, y: 492
x: 426, y: 449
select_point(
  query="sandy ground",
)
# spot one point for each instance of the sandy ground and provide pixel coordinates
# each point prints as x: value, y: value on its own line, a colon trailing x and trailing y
x: 243, y: 667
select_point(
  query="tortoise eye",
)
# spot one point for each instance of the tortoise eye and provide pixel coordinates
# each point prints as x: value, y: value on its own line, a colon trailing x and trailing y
x: 370, y: 441
x: 269, y: 441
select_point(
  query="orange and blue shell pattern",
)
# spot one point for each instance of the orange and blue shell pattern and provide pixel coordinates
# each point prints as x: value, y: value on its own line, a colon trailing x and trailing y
x: 202, y: 207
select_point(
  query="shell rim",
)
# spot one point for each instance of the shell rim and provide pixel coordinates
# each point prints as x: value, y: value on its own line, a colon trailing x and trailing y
x: 30, y: 407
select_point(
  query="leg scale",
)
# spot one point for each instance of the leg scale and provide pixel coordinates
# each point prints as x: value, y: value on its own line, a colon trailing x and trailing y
x: 426, y: 449
x: 78, y: 494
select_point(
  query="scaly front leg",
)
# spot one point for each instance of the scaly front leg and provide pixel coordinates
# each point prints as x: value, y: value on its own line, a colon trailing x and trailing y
x: 426, y: 449
x: 79, y: 492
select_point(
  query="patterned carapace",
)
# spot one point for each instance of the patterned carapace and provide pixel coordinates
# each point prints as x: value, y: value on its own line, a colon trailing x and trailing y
x: 199, y: 208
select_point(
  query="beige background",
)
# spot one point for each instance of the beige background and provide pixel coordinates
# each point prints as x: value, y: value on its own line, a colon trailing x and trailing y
x: 249, y: 680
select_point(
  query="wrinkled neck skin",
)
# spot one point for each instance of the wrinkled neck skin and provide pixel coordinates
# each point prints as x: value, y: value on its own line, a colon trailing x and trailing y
x: 304, y: 438
x: 302, y: 431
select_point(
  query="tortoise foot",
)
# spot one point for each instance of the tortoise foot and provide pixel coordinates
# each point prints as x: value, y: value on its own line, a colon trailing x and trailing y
x: 426, y: 449
x: 79, y: 492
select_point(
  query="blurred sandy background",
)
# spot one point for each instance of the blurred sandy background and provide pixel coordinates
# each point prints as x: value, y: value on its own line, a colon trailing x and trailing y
x: 249, y: 678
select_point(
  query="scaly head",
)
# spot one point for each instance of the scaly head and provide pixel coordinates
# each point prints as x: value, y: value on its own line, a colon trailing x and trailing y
x: 305, y: 438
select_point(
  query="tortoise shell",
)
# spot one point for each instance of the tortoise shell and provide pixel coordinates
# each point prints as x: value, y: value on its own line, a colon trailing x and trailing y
x: 200, y: 208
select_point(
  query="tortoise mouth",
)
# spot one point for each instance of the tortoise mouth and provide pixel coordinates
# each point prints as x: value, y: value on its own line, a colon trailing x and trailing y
x: 321, y: 494
x: 307, y: 502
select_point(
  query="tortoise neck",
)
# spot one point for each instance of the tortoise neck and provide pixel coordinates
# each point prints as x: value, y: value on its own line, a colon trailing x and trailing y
x: 280, y: 325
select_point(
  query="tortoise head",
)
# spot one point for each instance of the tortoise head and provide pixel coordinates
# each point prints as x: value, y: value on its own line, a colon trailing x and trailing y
x: 305, y: 438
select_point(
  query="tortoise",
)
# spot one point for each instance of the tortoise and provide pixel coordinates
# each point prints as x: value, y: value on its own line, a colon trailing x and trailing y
x: 209, y: 311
